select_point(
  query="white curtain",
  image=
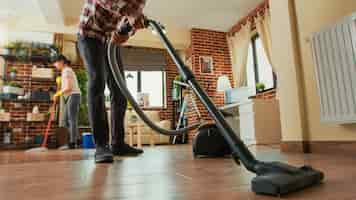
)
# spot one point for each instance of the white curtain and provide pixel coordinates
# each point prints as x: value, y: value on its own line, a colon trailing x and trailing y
x: 238, y: 45
x: 263, y: 26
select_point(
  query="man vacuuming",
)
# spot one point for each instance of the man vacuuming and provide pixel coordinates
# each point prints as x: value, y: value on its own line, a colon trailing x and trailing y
x: 100, y: 21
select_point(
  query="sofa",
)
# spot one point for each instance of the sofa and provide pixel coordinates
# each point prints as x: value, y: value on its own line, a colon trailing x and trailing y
x: 147, y: 133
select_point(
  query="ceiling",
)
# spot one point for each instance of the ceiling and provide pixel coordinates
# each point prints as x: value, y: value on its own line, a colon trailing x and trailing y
x: 207, y: 14
x: 178, y: 16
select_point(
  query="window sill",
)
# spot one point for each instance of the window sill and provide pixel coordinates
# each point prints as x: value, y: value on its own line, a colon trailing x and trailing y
x: 154, y: 108
x: 147, y: 109
x: 266, y: 90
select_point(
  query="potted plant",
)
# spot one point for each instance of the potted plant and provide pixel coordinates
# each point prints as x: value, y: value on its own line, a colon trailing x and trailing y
x: 260, y: 87
x: 83, y: 109
x: 129, y: 106
x: 13, y: 72
x: 17, y: 46
x: 20, y: 50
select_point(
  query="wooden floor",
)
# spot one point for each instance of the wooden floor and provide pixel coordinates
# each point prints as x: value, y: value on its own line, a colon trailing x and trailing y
x: 162, y: 173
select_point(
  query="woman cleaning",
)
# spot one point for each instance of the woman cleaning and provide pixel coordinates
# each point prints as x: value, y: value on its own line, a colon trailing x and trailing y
x: 70, y: 91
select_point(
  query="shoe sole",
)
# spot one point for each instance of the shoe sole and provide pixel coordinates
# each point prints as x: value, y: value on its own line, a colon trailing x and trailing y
x: 107, y: 159
x: 128, y: 154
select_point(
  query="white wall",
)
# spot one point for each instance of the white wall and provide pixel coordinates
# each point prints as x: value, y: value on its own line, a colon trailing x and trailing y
x: 3, y: 34
x: 42, y: 37
x: 285, y: 60
x: 312, y: 16
x: 293, y: 21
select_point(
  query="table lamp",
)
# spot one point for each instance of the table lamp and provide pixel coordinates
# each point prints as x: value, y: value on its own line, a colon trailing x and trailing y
x: 223, y: 85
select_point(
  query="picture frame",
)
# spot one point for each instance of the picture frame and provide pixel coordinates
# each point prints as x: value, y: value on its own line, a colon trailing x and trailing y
x: 206, y: 64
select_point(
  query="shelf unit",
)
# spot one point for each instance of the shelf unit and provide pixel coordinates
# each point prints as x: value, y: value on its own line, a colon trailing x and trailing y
x: 22, y: 130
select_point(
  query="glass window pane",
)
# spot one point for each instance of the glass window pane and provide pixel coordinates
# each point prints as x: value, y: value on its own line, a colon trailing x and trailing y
x: 131, y: 82
x: 152, y: 84
x: 265, y: 72
x: 251, y: 82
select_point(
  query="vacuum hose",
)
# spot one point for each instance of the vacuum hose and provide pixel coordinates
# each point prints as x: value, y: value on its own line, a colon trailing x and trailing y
x: 239, y: 149
x: 113, y: 54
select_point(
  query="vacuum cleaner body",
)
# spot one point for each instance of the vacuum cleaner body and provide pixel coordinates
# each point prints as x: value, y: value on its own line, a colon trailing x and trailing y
x: 210, y: 143
x: 272, y: 178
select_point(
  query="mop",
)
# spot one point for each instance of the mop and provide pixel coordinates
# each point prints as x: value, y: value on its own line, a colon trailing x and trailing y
x: 43, y: 147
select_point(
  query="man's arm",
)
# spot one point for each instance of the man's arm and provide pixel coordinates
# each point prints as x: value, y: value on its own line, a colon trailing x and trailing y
x: 113, y: 6
x: 130, y: 12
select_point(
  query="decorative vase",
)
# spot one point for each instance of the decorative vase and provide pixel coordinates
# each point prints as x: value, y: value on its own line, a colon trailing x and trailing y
x: 13, y: 75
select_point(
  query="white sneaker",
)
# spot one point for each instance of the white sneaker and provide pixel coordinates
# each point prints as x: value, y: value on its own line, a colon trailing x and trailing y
x: 64, y: 148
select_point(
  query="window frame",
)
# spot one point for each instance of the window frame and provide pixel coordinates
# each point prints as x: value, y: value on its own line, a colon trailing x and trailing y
x: 254, y: 55
x: 256, y: 64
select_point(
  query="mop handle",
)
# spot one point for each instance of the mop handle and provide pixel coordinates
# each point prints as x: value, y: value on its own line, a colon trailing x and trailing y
x: 51, y: 117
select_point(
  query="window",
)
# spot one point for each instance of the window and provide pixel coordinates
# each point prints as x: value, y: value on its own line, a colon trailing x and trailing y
x: 153, y: 84
x: 259, y: 70
x: 150, y: 82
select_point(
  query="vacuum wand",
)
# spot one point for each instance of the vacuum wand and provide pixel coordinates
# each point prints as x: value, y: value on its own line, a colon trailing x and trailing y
x: 241, y: 153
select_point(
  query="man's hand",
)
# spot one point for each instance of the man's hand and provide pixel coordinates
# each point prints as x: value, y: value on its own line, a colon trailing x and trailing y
x: 140, y: 23
x: 118, y: 38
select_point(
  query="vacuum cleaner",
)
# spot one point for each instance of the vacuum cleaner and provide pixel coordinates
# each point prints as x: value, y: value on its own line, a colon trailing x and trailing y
x: 209, y: 143
x: 272, y: 178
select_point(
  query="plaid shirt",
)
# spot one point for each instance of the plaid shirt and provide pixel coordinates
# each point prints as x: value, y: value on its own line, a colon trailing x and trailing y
x: 100, y: 18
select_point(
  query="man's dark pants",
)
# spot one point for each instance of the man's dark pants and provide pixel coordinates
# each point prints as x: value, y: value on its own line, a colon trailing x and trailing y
x: 94, y: 55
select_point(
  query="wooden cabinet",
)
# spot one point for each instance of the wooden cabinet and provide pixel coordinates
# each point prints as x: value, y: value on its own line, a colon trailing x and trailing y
x: 260, y: 122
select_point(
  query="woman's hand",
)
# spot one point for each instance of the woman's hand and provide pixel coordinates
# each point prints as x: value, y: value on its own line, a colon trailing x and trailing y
x: 57, y: 96
x: 55, y: 99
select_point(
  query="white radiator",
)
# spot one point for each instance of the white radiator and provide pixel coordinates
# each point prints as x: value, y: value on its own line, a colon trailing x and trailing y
x: 334, y: 51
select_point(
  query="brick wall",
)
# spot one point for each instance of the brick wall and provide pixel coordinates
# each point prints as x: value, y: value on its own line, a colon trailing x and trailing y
x: 214, y: 44
x: 171, y: 73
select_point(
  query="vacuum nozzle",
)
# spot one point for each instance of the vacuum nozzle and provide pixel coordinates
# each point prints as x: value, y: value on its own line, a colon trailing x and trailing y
x: 279, y: 179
